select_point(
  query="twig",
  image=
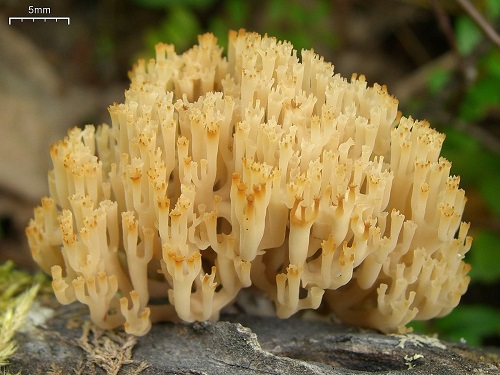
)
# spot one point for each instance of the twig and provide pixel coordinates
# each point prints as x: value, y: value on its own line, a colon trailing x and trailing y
x: 444, y: 24
x: 480, y: 21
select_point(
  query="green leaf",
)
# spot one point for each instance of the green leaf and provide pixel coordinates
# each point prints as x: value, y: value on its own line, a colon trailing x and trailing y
x: 238, y: 12
x: 466, y: 154
x: 490, y: 63
x: 165, y: 4
x: 180, y: 29
x: 490, y: 188
x: 467, y: 35
x: 419, y: 326
x: 484, y: 95
x: 437, y: 80
x: 493, y: 8
x: 274, y: 11
x: 220, y: 29
x: 485, y: 257
x: 472, y: 323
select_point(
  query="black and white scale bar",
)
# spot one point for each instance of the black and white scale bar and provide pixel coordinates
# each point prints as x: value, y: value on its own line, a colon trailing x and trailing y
x: 38, y: 18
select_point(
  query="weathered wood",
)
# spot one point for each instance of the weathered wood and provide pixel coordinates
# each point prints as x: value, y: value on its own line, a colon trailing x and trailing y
x: 238, y: 344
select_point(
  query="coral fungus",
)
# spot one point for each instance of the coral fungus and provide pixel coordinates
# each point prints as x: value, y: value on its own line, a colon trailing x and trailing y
x: 256, y: 169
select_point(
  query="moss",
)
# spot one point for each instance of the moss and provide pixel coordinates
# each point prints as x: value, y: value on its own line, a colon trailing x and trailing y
x: 18, y: 290
x: 108, y: 350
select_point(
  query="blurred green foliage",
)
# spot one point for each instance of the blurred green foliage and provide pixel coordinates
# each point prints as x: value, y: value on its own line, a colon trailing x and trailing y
x: 165, y: 4
x: 467, y: 35
x: 471, y: 323
x: 486, y: 259
x: 484, y: 94
x: 479, y: 169
x: 179, y: 28
x: 284, y: 19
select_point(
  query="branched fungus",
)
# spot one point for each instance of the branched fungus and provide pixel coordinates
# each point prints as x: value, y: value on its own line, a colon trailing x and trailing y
x: 259, y: 169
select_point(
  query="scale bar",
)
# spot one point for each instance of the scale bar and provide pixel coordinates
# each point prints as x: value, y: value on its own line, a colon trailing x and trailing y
x: 38, y: 18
